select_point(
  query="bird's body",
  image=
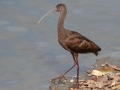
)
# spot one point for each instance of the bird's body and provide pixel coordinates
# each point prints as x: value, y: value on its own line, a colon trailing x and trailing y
x: 72, y: 41
x: 77, y: 43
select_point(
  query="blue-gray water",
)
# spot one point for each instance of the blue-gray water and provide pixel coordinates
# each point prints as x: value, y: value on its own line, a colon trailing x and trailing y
x: 30, y: 54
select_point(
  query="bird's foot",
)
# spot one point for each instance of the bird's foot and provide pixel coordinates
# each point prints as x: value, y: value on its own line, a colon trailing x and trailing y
x: 58, y: 79
x: 76, y: 86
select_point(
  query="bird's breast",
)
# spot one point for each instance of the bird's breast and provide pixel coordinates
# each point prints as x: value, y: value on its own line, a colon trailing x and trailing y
x: 63, y: 44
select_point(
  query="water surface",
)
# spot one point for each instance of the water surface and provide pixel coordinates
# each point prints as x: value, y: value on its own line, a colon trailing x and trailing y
x: 30, y: 54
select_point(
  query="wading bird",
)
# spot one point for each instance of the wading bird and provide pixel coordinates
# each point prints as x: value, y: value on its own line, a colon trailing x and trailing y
x: 72, y: 41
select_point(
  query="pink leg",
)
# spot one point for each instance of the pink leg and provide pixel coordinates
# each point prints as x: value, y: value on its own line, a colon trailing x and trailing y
x: 75, y: 63
x: 77, y: 82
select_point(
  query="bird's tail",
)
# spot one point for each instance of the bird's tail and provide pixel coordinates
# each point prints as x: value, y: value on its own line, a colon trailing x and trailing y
x: 97, y: 49
x: 96, y: 53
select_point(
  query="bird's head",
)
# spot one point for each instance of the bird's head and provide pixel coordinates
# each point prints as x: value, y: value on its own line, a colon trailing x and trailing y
x: 59, y: 8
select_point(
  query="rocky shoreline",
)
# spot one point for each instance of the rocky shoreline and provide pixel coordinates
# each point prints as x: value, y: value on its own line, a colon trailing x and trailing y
x: 105, y: 75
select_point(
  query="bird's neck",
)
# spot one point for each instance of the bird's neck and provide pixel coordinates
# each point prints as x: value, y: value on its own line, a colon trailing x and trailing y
x: 61, y: 19
x: 61, y: 29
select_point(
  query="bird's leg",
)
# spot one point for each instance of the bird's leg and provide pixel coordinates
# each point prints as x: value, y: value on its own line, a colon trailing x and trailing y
x: 75, y: 63
x: 77, y: 72
x: 77, y: 82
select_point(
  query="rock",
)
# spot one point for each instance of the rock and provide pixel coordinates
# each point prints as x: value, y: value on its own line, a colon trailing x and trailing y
x: 113, y: 59
x: 107, y: 81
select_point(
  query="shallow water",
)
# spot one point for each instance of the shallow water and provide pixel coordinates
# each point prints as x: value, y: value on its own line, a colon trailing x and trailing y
x: 30, y: 54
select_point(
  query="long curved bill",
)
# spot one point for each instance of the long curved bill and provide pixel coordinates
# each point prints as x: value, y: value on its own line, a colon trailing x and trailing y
x: 46, y: 14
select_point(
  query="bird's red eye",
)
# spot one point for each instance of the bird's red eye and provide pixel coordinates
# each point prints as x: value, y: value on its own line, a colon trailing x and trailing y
x: 56, y: 8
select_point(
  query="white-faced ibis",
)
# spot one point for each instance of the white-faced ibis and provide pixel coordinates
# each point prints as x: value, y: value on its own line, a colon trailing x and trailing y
x: 72, y: 41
